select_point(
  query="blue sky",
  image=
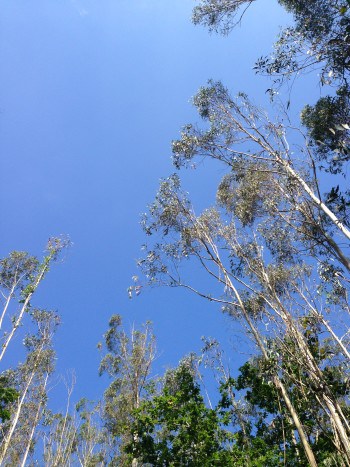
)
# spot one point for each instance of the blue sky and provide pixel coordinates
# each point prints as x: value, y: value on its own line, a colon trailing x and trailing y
x: 92, y: 93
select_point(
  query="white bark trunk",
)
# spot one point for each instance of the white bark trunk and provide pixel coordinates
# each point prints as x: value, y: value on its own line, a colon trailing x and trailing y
x: 6, y: 443
x: 24, y: 306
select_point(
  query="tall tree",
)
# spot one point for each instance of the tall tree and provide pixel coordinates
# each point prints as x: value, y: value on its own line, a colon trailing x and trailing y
x: 24, y: 388
x: 176, y: 428
x: 268, y: 425
x: 128, y: 363
x: 20, y: 276
x: 30, y: 379
x: 75, y: 437
x: 268, y: 236
x: 271, y: 232
x: 319, y: 41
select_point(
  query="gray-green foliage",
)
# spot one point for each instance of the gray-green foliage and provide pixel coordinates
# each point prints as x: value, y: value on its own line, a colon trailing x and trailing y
x: 16, y: 269
x: 262, y: 242
x: 318, y: 40
x: 30, y: 378
x: 128, y: 364
x: 319, y: 35
x: 218, y: 15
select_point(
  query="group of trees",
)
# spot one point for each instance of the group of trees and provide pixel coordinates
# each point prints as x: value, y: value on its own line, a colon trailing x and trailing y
x: 275, y: 244
x: 277, y: 236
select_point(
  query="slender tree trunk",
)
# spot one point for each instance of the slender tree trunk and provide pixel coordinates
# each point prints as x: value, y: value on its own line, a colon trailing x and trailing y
x: 277, y: 382
x: 35, y: 423
x: 39, y: 278
x: 10, y: 295
x: 316, y: 375
x: 326, y: 324
x: 336, y: 338
x: 6, y: 443
x: 315, y: 198
x: 343, y: 438
x: 62, y: 444
x: 294, y: 440
x: 259, y: 139
x: 298, y: 426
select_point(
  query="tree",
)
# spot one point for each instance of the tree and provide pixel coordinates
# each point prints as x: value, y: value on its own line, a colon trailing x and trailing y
x: 267, y: 238
x: 75, y: 437
x: 176, y: 428
x: 319, y: 37
x: 23, y: 389
x: 60, y: 433
x: 20, y: 276
x: 268, y: 422
x: 318, y: 41
x: 128, y: 363
x: 30, y: 381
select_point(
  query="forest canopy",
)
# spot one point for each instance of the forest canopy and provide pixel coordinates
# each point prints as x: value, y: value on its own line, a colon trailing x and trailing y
x: 273, y: 247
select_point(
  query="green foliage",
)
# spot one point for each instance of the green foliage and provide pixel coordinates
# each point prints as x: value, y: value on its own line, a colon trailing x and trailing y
x: 217, y: 15
x: 176, y: 428
x: 327, y: 123
x: 8, y: 395
x: 246, y: 190
x: 320, y: 38
x: 128, y: 363
x: 18, y: 268
x: 268, y: 426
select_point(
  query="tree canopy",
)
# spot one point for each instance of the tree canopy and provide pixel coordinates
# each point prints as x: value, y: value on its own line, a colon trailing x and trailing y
x: 273, y: 247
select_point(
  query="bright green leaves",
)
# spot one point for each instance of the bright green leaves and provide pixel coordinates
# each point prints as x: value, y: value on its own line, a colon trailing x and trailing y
x: 8, y: 396
x: 175, y: 427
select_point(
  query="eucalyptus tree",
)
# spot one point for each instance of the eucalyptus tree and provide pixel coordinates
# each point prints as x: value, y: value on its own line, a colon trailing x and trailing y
x: 96, y: 433
x: 20, y: 277
x: 317, y: 41
x: 319, y: 37
x: 93, y: 447
x: 75, y: 437
x: 127, y: 362
x: 268, y: 429
x: 30, y: 380
x: 278, y: 248
x: 24, y: 388
x: 59, y: 437
x: 270, y: 240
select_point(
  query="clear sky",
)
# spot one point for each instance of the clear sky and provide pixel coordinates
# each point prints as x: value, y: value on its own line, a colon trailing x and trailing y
x: 92, y: 92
